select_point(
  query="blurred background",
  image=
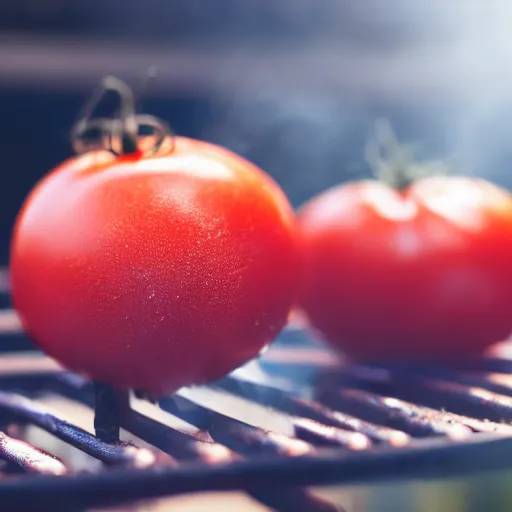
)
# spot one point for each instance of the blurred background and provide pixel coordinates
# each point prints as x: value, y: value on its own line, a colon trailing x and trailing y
x: 294, y: 85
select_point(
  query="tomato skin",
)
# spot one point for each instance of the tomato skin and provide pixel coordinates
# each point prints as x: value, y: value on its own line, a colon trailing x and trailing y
x: 154, y: 273
x: 423, y: 274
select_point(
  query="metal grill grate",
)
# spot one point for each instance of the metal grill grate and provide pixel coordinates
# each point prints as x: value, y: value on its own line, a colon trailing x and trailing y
x: 348, y: 424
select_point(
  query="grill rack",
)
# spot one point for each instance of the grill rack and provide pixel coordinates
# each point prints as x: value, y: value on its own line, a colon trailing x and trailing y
x: 364, y: 424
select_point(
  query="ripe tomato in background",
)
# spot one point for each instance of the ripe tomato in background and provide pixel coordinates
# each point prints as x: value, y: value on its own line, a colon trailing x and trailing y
x: 421, y: 272
x: 154, y: 272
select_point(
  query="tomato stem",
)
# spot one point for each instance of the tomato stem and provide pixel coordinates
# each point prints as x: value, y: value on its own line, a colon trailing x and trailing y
x: 393, y: 163
x: 123, y: 131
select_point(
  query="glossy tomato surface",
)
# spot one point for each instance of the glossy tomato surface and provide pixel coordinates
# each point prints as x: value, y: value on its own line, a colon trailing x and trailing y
x: 155, y: 272
x: 426, y: 273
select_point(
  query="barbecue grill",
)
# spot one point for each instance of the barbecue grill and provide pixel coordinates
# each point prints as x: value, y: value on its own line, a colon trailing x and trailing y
x: 349, y: 425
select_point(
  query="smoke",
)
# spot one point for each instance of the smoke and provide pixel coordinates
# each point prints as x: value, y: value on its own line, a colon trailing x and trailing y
x: 482, y: 142
x: 440, y: 72
x: 304, y: 143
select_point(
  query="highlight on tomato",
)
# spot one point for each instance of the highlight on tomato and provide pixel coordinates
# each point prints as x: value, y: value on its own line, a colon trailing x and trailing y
x: 153, y: 262
x: 414, y: 265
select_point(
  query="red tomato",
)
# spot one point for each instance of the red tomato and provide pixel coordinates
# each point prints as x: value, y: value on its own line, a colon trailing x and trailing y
x: 424, y: 273
x: 155, y: 272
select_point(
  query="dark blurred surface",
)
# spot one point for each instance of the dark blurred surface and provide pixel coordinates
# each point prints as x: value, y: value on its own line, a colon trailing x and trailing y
x: 177, y: 21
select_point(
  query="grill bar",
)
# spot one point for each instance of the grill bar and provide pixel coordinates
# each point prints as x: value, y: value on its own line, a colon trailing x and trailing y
x: 186, y: 448
x: 435, y: 393
x: 462, y: 399
x: 29, y: 458
x: 249, y: 440
x: 300, y: 407
x: 424, y: 460
x: 109, y: 404
x: 323, y: 435
x: 496, y: 382
x: 415, y: 420
x: 21, y: 408
x: 234, y: 434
